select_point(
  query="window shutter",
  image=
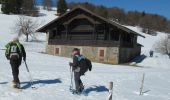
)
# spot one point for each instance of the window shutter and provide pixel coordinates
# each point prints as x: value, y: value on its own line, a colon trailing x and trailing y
x: 57, y: 51
x: 101, y: 53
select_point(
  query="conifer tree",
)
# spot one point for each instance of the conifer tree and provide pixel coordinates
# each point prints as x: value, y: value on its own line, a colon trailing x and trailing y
x: 61, y: 7
x: 12, y: 6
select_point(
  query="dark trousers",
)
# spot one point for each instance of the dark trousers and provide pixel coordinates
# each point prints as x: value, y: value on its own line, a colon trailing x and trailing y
x: 151, y: 53
x: 15, y: 70
x: 77, y: 80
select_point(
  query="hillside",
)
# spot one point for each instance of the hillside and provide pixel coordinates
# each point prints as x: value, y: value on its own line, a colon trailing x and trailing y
x: 52, y: 78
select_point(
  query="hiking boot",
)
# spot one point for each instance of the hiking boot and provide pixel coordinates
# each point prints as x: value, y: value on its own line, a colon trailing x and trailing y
x: 76, y: 92
x: 81, y: 88
x: 13, y: 82
x: 16, y: 85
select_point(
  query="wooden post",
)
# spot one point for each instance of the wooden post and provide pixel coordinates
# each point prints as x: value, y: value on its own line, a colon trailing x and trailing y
x: 57, y: 33
x: 109, y: 34
x: 142, y: 84
x: 105, y: 35
x: 66, y: 31
x: 120, y: 39
x: 94, y: 31
x: 110, y: 90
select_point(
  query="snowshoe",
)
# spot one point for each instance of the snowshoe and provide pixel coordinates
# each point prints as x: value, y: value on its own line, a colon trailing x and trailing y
x: 76, y: 92
x: 81, y: 88
x: 16, y: 85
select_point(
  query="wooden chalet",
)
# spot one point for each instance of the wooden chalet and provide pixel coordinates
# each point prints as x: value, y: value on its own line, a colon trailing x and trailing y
x: 99, y: 39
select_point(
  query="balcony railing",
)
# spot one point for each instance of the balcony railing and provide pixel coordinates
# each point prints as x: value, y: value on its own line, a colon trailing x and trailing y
x: 83, y: 42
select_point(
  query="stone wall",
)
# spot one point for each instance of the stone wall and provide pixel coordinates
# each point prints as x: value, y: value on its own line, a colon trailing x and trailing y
x: 111, y: 54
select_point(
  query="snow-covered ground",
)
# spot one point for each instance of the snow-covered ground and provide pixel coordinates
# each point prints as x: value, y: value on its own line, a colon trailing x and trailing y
x: 52, y: 77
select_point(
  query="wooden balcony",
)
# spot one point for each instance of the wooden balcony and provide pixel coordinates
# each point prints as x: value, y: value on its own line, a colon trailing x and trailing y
x: 96, y: 43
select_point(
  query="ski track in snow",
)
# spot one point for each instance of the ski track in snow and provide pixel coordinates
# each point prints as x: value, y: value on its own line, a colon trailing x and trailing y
x: 52, y: 78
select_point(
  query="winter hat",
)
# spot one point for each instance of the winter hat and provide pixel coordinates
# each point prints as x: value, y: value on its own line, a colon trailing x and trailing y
x: 16, y: 39
x: 76, y: 49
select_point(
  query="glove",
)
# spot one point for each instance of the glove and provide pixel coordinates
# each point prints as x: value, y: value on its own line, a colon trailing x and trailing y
x: 90, y: 68
x: 24, y: 58
x: 8, y: 58
x: 71, y: 64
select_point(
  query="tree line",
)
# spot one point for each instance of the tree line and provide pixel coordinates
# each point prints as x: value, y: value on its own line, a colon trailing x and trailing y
x: 27, y: 7
x: 60, y: 4
x: 147, y: 21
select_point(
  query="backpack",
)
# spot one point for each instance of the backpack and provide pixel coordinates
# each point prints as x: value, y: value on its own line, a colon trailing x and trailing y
x: 84, y: 64
x: 14, y: 52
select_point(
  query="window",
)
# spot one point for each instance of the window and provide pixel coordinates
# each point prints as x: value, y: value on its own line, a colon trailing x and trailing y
x: 101, y: 32
x: 101, y: 53
x: 127, y: 38
x: 57, y: 51
x: 58, y: 35
x: 115, y: 36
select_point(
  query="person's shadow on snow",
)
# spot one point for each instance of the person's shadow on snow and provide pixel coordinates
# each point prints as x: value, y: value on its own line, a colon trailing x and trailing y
x: 27, y: 85
x: 139, y: 58
x: 3, y: 82
x: 95, y: 89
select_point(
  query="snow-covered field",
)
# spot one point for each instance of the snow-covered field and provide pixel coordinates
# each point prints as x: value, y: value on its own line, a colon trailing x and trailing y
x: 52, y: 77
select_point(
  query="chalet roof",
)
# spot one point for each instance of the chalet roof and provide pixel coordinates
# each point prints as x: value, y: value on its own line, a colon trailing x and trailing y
x: 118, y: 25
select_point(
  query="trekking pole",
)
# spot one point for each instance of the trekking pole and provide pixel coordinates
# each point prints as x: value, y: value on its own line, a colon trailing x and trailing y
x: 31, y: 79
x: 71, y: 81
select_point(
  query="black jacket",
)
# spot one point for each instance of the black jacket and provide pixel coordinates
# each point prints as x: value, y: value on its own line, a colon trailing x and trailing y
x: 22, y: 54
x: 75, y: 62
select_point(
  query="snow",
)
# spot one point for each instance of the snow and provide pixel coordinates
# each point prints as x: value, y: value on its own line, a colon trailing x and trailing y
x: 51, y: 73
x: 149, y: 41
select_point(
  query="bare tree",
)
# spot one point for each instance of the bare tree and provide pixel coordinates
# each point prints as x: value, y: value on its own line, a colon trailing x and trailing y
x: 26, y: 26
x: 163, y: 45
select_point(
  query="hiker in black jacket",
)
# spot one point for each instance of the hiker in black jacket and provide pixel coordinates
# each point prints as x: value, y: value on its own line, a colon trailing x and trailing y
x: 15, y: 52
x: 76, y: 68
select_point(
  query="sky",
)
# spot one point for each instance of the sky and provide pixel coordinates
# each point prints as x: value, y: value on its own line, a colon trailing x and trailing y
x: 161, y: 7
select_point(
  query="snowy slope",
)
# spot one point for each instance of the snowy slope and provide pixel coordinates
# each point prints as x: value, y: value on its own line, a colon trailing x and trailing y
x: 149, y: 40
x: 7, y: 23
x: 148, y: 44
x: 52, y: 77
